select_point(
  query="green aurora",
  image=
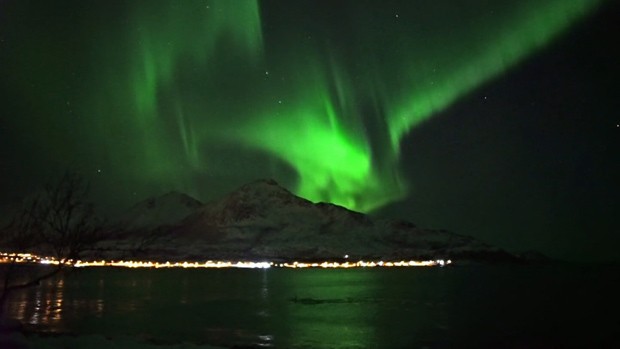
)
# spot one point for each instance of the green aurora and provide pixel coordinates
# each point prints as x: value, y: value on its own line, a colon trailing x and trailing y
x: 163, y: 91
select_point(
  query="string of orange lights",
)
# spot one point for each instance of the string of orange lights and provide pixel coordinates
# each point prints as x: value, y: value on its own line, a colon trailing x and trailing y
x: 28, y: 258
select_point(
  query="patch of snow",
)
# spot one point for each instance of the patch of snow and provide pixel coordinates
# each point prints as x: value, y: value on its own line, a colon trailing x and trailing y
x: 166, y: 209
x: 264, y: 220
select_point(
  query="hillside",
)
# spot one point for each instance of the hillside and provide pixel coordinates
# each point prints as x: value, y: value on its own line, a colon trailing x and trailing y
x: 262, y: 220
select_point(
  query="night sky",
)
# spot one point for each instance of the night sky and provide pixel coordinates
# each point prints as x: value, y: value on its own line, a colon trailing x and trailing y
x: 496, y: 119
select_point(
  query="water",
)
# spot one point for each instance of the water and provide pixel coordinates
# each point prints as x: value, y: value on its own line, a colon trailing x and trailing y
x: 468, y: 306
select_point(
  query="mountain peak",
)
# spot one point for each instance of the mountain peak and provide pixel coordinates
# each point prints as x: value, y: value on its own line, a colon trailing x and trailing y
x: 177, y: 196
x: 263, y: 220
x: 264, y: 191
x: 255, y: 199
x: 266, y: 184
x: 264, y: 181
x: 165, y: 209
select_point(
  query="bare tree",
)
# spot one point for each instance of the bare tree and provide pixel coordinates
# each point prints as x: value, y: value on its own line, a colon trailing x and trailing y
x: 59, y: 222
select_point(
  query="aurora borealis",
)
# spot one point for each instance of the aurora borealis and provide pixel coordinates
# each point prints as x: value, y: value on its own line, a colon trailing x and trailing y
x: 202, y: 96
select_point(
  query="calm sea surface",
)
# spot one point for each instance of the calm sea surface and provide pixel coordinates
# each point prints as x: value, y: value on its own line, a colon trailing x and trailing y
x: 461, y: 306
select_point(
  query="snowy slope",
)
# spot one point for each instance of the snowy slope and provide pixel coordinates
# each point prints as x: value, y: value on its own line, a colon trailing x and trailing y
x: 262, y: 220
x: 166, y: 209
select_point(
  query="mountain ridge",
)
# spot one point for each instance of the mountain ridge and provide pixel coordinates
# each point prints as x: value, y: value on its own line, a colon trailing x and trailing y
x: 263, y: 220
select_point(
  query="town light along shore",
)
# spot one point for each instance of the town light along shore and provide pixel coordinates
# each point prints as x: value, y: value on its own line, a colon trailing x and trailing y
x: 28, y: 258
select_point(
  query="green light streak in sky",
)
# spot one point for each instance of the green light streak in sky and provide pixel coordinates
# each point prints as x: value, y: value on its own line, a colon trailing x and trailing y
x: 318, y: 131
x: 332, y: 164
x: 168, y: 93
x: 174, y: 34
x: 325, y: 124
x: 337, y: 163
x: 163, y: 45
x: 524, y: 31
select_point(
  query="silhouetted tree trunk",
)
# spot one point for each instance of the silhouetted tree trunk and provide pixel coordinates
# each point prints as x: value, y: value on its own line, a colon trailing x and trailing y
x: 59, y: 222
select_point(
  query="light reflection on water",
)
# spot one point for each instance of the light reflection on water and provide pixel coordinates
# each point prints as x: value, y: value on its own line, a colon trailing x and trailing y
x: 45, y: 308
x: 44, y: 305
x: 324, y: 308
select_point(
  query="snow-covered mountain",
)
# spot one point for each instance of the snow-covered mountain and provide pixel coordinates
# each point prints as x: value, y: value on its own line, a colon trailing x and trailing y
x: 262, y: 220
x: 166, y: 209
x: 145, y: 223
